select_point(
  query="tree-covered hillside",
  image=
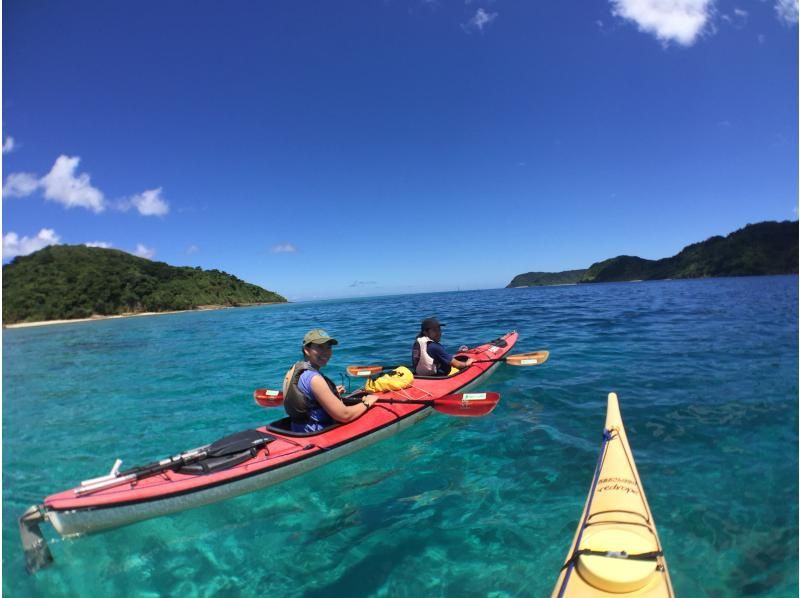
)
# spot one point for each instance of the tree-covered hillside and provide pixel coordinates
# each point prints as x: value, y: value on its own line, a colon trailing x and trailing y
x: 535, y: 279
x: 75, y: 281
x: 757, y: 249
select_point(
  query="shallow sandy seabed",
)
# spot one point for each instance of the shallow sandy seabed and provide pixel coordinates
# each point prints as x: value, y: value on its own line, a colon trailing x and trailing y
x: 131, y: 315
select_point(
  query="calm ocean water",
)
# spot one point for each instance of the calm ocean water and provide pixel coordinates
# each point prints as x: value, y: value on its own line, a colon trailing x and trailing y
x: 706, y: 372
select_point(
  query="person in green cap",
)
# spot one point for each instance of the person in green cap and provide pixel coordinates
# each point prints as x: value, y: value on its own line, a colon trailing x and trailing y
x: 311, y: 399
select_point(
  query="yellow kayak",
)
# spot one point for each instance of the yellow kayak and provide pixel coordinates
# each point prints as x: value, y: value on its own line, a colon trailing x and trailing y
x: 616, y: 550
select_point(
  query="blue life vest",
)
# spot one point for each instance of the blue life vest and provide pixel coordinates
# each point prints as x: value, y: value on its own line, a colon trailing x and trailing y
x: 305, y: 411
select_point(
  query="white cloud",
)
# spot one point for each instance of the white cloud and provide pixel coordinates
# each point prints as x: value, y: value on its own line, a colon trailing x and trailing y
x: 480, y: 20
x: 679, y: 21
x: 787, y: 11
x: 14, y: 246
x: 102, y: 244
x: 284, y: 248
x: 192, y: 249
x: 145, y: 252
x: 61, y: 185
x: 8, y: 145
x: 739, y: 18
x: 150, y: 203
x: 20, y: 184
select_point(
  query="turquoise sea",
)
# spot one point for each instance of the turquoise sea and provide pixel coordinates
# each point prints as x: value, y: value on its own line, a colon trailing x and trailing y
x: 706, y: 372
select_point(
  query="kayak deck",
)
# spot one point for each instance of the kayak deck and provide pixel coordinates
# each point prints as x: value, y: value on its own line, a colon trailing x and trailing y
x: 616, y: 550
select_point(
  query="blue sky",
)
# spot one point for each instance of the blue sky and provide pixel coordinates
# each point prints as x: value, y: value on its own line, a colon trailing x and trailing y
x: 342, y: 149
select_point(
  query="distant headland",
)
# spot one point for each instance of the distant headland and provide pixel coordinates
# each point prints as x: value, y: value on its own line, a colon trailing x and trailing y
x: 75, y: 282
x: 757, y: 249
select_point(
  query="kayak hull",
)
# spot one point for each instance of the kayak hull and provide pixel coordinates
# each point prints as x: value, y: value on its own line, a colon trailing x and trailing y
x: 77, y: 512
x: 78, y: 522
x: 616, y: 550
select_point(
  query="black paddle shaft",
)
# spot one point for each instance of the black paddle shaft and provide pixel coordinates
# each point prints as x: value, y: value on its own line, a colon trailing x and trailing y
x: 235, y: 443
x: 156, y: 466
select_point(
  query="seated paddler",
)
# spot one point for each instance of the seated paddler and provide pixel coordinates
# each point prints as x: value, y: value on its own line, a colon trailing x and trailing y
x: 429, y: 357
x: 312, y: 400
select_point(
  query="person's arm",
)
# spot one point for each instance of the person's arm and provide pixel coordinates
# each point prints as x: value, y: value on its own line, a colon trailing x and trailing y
x: 333, y: 405
x: 457, y: 363
x: 438, y: 353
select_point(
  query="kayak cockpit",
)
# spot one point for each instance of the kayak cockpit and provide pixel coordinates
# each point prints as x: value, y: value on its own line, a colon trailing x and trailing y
x: 284, y: 428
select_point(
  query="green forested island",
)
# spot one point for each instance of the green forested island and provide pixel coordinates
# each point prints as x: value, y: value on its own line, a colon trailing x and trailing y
x: 757, y: 249
x: 540, y: 279
x: 64, y: 282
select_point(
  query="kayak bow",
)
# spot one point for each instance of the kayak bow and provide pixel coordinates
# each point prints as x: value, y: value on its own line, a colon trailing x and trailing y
x: 247, y: 461
x: 616, y: 550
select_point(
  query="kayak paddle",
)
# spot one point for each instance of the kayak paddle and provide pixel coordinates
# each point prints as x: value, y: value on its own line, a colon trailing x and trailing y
x: 250, y: 439
x: 521, y: 359
x: 467, y: 404
x: 265, y: 397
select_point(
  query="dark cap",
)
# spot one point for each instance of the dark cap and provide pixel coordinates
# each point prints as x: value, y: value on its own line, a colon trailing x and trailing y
x: 319, y: 337
x: 428, y: 323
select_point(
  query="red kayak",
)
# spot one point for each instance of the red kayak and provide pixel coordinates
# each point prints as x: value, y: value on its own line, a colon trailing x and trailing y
x: 243, y: 462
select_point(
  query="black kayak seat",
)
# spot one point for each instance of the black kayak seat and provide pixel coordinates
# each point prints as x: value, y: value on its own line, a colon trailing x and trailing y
x: 228, y: 452
x: 284, y: 427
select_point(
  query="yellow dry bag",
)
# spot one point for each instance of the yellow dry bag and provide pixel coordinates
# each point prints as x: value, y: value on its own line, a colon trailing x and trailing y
x: 398, y: 379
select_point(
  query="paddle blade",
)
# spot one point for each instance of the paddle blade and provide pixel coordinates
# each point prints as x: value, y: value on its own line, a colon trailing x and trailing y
x: 268, y: 398
x: 468, y: 404
x: 363, y: 371
x: 525, y: 359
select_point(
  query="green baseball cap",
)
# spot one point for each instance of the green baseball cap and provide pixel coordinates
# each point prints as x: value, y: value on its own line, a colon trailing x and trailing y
x: 319, y: 337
